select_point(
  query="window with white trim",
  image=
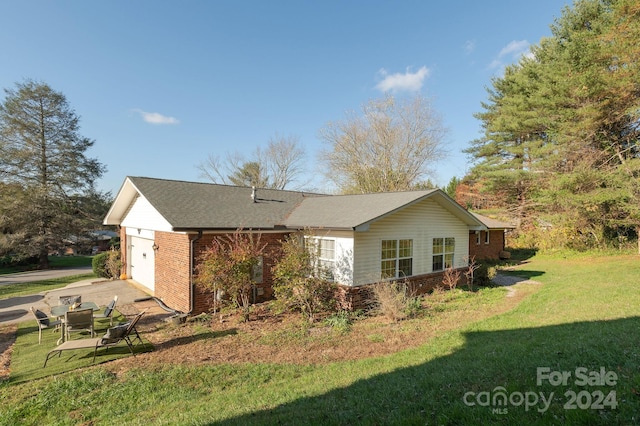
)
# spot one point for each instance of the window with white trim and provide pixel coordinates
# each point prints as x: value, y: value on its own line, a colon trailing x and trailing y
x: 486, y: 237
x: 324, y: 256
x: 443, y: 250
x: 397, y: 259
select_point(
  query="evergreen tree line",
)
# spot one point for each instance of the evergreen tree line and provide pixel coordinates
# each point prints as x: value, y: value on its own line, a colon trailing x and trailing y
x: 560, y: 148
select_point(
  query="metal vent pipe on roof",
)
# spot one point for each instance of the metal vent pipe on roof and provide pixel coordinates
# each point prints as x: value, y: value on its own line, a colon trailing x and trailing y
x: 253, y: 194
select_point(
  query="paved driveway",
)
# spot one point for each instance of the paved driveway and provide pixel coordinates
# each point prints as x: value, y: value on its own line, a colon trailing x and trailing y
x: 16, y: 309
x: 25, y: 277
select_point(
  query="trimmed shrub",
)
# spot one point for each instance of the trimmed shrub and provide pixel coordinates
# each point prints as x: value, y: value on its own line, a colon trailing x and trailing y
x: 107, y: 264
x: 485, y: 274
x: 99, y: 264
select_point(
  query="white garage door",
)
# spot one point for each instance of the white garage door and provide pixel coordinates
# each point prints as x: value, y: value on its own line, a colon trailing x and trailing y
x: 142, y: 261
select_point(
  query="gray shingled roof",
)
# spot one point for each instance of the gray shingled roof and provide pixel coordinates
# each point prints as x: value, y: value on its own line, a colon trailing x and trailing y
x: 351, y: 211
x: 191, y: 205
x: 492, y: 223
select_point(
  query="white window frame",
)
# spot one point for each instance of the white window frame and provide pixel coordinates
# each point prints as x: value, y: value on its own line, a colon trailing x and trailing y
x: 445, y: 249
x: 324, y: 256
x: 398, y: 256
x: 486, y: 237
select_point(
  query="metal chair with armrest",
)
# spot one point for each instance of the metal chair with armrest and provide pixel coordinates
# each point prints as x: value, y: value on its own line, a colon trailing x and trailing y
x: 44, y: 322
x: 114, y: 336
x: 78, y: 320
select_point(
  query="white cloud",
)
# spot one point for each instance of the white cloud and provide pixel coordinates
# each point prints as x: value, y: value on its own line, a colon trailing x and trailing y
x: 511, y: 53
x: 469, y: 46
x: 515, y: 49
x: 496, y: 63
x: 410, y: 82
x: 156, y: 117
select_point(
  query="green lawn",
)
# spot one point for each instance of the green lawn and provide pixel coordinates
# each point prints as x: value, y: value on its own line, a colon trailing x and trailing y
x: 34, y: 287
x: 28, y: 356
x: 55, y: 262
x: 582, y: 321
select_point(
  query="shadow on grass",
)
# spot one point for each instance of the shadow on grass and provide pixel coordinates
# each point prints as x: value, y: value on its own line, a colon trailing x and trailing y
x: 185, y: 340
x: 522, y: 254
x: 466, y: 385
x: 102, y: 355
x: 526, y: 274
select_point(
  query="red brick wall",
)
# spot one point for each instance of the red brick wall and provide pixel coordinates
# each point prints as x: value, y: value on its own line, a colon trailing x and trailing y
x: 123, y: 249
x: 172, y: 275
x: 172, y: 263
x: 264, y: 290
x: 486, y: 251
x: 360, y: 297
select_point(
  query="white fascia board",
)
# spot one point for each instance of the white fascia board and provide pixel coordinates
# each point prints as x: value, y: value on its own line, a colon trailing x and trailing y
x: 121, y: 203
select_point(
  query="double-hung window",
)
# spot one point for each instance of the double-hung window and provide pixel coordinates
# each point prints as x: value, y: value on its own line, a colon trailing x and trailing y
x: 324, y: 254
x: 257, y: 274
x: 443, y: 249
x: 397, y: 259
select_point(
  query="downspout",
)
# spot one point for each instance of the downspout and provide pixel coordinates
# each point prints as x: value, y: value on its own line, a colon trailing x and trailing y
x: 192, y: 262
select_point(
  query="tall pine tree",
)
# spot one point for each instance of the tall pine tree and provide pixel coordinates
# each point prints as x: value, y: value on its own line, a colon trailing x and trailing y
x: 562, y: 127
x: 43, y: 159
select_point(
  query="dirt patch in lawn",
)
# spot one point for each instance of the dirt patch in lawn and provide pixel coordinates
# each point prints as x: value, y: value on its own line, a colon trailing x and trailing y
x: 287, y: 338
x: 7, y: 339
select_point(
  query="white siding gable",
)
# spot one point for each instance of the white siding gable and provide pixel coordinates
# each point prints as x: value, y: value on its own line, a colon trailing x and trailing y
x: 421, y: 223
x: 142, y: 215
x: 343, y: 271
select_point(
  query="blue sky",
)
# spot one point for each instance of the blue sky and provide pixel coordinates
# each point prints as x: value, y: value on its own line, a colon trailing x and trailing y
x: 160, y: 85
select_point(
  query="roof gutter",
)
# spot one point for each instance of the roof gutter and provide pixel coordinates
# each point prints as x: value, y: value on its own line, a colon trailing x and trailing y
x: 192, y: 262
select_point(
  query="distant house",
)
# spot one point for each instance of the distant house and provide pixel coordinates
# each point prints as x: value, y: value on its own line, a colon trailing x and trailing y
x: 363, y: 239
x: 489, y: 243
x: 90, y: 243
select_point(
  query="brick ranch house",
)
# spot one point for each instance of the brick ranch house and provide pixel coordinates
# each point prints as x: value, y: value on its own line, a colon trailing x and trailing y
x: 490, y: 243
x: 166, y: 224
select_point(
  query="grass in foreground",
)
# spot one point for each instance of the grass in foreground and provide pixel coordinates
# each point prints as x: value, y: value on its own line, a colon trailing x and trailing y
x: 585, y: 315
x: 28, y: 356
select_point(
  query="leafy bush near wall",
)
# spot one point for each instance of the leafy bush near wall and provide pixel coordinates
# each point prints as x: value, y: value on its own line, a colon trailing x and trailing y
x: 107, y: 264
x: 298, y: 285
x: 99, y: 263
x: 484, y: 274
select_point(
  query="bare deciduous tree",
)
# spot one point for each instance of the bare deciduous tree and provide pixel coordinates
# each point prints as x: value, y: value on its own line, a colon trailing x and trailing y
x: 284, y: 159
x: 278, y: 166
x: 390, y: 147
